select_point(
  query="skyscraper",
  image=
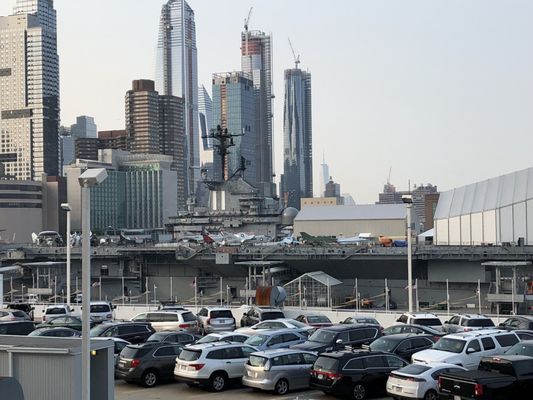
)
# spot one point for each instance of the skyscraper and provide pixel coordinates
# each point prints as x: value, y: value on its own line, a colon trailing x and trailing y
x: 142, y: 118
x: 297, y: 180
x: 256, y: 61
x: 29, y: 100
x: 205, y: 115
x: 324, y: 175
x: 234, y: 110
x: 177, y: 75
x: 84, y: 127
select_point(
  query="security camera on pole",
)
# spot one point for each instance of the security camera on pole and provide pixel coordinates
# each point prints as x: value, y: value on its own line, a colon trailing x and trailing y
x: 408, y: 201
x: 88, y: 179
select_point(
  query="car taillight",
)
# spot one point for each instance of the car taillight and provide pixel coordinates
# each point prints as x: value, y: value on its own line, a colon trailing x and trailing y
x: 437, y: 338
x: 208, y: 321
x: 328, y: 375
x: 183, y: 325
x: 478, y: 390
x: 135, y: 363
x: 467, y: 329
x: 197, y: 367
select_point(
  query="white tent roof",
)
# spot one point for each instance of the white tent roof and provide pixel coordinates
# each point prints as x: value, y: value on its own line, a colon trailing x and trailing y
x: 319, y: 276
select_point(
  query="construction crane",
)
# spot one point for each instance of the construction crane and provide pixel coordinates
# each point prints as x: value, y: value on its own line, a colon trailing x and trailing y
x: 296, y: 57
x: 246, y: 33
x: 390, y: 171
x: 247, y: 20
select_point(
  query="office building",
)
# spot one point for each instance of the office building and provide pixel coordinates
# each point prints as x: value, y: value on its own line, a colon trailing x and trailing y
x: 205, y: 115
x: 177, y: 75
x: 86, y: 148
x: 66, y: 145
x: 324, y: 175
x: 142, y: 118
x: 234, y: 110
x: 256, y: 61
x: 114, y: 139
x: 84, y: 127
x: 297, y: 179
x: 29, y: 101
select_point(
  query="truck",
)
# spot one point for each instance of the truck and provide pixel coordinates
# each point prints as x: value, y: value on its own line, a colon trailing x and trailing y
x: 497, y: 377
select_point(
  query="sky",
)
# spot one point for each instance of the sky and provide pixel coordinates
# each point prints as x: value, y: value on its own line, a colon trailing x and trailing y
x: 440, y: 90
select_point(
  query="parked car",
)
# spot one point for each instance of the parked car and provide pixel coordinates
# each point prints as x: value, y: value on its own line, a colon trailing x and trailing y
x: 281, y: 323
x: 56, y: 332
x: 212, y: 365
x: 101, y: 311
x: 354, y: 374
x: 118, y: 345
x: 467, y: 322
x: 133, y: 332
x: 182, y: 338
x: 69, y: 321
x: 56, y: 310
x: 276, y: 339
x: 215, y: 319
x: 360, y: 320
x: 338, y: 336
x: 279, y: 370
x: 524, y: 334
x: 497, y: 378
x: 148, y: 363
x: 403, y: 345
x: 169, y: 320
x: 224, y: 337
x: 412, y: 328
x: 430, y: 320
x: 521, y: 349
x: 256, y: 314
x: 517, y: 322
x: 27, y: 308
x: 418, y: 381
x: 314, y: 320
x: 467, y: 348
x: 13, y: 315
x: 16, y: 327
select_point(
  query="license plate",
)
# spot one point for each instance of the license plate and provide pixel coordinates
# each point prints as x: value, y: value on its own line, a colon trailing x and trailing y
x: 397, y: 389
x: 184, y: 367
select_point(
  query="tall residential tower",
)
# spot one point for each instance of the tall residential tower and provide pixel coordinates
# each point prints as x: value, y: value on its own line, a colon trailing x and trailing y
x: 297, y: 179
x: 29, y: 97
x: 177, y: 75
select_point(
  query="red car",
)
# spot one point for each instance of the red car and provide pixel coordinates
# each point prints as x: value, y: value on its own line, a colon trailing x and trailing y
x: 315, y: 320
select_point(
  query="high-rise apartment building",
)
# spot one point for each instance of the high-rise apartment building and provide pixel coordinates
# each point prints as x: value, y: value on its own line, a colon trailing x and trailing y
x: 205, y: 115
x: 234, y: 110
x: 177, y: 75
x: 297, y: 179
x: 114, y: 139
x: 29, y: 97
x: 256, y: 61
x: 142, y: 118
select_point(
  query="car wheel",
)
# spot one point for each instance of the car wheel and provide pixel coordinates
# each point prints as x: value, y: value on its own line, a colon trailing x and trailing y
x: 217, y: 382
x: 358, y: 392
x: 149, y: 378
x: 282, y: 387
x: 431, y: 395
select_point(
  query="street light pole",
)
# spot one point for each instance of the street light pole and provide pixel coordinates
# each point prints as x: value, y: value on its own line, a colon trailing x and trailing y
x: 68, y: 209
x: 408, y: 200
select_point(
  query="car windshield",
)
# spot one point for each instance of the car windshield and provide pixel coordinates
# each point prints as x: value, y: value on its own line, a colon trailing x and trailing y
x: 272, y: 315
x: 100, y: 308
x: 190, y: 355
x: 481, y: 322
x: 209, y: 339
x: 318, y: 319
x: 450, y: 345
x: 256, y: 340
x: 365, y: 321
x: 323, y: 336
x: 98, y: 330
x: 256, y: 361
x: 427, y: 321
x: 326, y: 364
x: 414, y: 369
x: 521, y: 349
x: 384, y: 344
x: 221, y: 314
x: 188, y: 316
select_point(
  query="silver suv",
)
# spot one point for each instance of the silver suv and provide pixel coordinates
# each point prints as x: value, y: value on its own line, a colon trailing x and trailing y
x: 169, y: 320
x: 212, y: 364
x: 467, y: 323
x: 430, y: 320
x: 215, y: 319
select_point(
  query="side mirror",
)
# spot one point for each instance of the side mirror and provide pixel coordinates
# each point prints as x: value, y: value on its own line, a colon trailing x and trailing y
x: 501, y: 325
x: 114, y: 307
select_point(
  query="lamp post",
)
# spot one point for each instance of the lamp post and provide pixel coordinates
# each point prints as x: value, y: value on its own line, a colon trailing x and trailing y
x: 68, y: 209
x: 90, y: 178
x: 408, y: 200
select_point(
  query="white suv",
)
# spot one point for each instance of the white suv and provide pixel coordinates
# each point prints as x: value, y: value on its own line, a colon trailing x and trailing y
x: 169, y: 320
x: 101, y: 311
x: 56, y: 310
x: 212, y: 364
x: 215, y: 319
x: 430, y: 320
x: 466, y: 349
x: 467, y: 323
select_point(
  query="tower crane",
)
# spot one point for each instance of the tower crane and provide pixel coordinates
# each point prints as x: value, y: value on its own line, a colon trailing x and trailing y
x: 296, y: 57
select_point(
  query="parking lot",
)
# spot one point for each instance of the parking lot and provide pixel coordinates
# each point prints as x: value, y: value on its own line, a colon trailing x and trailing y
x: 124, y: 391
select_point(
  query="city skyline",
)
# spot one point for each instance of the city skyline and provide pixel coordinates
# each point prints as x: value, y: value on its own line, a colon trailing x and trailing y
x: 416, y: 73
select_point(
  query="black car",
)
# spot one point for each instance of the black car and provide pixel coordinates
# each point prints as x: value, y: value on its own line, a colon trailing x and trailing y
x: 404, y: 345
x: 257, y: 314
x: 133, y: 332
x: 517, y: 322
x: 413, y: 328
x: 147, y: 363
x: 338, y: 336
x: 56, y: 332
x: 182, y: 338
x: 354, y: 374
x: 68, y: 321
x: 27, y: 308
x: 16, y: 327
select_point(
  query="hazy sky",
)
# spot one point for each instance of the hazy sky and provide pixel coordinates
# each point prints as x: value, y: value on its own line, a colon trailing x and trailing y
x: 442, y: 91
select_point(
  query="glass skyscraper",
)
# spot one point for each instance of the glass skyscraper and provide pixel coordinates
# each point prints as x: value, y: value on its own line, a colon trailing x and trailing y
x: 205, y: 114
x: 177, y: 75
x: 29, y: 96
x: 297, y: 179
